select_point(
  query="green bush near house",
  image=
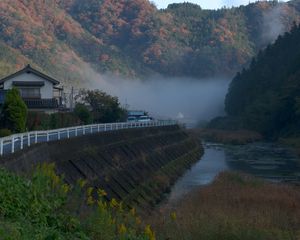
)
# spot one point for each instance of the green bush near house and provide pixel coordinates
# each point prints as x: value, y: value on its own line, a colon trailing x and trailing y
x: 14, y: 112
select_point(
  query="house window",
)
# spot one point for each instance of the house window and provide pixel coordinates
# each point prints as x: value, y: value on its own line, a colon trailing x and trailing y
x: 30, y: 92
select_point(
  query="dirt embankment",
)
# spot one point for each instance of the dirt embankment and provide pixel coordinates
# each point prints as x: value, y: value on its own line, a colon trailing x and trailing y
x: 136, y: 166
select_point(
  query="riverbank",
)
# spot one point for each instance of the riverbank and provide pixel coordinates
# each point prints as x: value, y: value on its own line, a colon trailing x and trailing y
x: 234, y: 206
x: 236, y: 137
x: 241, y: 137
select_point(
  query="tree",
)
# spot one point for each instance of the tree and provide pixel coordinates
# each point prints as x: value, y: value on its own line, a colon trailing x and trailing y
x: 104, y: 107
x: 14, y: 111
x: 83, y: 113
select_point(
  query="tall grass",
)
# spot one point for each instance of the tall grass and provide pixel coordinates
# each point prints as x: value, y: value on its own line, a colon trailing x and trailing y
x: 228, y: 137
x: 234, y: 207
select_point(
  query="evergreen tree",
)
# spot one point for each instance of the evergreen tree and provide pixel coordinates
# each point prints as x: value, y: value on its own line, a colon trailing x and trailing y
x: 14, y: 111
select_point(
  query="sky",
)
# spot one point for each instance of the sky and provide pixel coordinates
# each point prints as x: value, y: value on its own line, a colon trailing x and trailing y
x: 205, y: 4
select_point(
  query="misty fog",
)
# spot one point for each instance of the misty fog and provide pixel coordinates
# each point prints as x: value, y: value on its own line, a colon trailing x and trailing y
x: 188, y: 100
x: 273, y: 25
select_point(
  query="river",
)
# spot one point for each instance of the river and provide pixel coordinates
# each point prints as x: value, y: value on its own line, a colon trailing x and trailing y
x: 266, y: 160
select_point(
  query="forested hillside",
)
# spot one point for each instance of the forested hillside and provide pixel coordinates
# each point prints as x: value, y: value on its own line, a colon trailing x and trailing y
x: 135, y: 39
x: 266, y: 96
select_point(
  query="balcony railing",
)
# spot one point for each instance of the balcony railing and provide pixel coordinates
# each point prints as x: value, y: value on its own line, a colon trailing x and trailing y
x: 41, y: 103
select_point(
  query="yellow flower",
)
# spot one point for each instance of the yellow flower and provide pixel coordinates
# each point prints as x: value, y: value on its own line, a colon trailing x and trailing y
x: 89, y: 191
x: 102, y: 205
x: 122, y: 229
x: 90, y: 200
x: 65, y: 188
x: 82, y: 183
x: 114, y: 203
x: 173, y: 216
x: 101, y: 193
x: 133, y: 212
x: 149, y: 233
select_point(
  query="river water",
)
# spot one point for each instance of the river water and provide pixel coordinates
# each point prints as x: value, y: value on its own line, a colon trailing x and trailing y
x: 266, y: 160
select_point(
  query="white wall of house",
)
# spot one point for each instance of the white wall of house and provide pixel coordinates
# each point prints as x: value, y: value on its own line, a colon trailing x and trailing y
x: 46, y: 90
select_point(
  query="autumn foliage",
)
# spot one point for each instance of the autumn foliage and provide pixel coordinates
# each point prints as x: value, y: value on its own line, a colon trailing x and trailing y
x: 132, y: 37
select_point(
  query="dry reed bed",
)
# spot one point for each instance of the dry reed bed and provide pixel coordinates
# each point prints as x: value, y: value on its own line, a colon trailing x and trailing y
x: 234, y: 207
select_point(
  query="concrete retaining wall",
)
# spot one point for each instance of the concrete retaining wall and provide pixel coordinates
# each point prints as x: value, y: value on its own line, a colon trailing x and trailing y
x: 136, y: 166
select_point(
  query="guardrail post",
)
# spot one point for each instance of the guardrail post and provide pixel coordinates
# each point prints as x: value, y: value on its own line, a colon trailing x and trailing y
x: 22, y: 142
x: 58, y: 135
x: 98, y: 127
x: 68, y: 133
x: 91, y: 129
x: 104, y: 127
x: 1, y: 147
x: 28, y: 140
x: 47, y: 137
x: 35, y: 137
x: 76, y: 132
x: 83, y: 129
x: 12, y: 145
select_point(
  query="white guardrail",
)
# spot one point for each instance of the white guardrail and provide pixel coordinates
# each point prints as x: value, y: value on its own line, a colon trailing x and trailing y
x: 16, y: 142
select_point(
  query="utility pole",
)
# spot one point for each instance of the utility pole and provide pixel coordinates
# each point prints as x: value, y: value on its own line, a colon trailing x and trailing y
x: 72, y: 99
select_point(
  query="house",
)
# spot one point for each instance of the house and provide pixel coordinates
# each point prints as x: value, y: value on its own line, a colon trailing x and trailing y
x: 39, y: 91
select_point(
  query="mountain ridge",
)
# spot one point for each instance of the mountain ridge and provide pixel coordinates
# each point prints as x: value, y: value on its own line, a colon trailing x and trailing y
x: 133, y: 38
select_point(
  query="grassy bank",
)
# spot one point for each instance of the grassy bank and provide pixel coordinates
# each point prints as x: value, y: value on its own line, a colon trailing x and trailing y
x: 234, y: 207
x: 228, y: 137
x: 44, y: 207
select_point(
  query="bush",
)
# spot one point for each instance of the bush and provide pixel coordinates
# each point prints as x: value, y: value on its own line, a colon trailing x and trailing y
x: 14, y: 111
x: 5, y: 132
x: 104, y: 107
x: 43, y: 121
x: 82, y: 112
x: 44, y: 207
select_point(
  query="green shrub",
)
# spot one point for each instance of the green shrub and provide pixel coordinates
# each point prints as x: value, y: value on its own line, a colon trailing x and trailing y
x: 5, y: 132
x: 14, y: 111
x: 43, y: 121
x: 82, y: 112
x: 44, y: 207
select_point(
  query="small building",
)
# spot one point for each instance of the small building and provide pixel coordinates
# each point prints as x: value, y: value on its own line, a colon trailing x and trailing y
x: 39, y: 91
x: 136, y: 113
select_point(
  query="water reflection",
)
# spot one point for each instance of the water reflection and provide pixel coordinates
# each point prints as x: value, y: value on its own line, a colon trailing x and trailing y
x: 266, y: 160
x: 202, y: 173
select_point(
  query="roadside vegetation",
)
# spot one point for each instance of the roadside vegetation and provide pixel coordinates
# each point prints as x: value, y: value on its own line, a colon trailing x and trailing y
x: 44, y: 207
x: 92, y: 106
x: 234, y: 207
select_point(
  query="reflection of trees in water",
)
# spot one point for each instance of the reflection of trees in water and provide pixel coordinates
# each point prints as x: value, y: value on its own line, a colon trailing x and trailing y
x: 266, y: 160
